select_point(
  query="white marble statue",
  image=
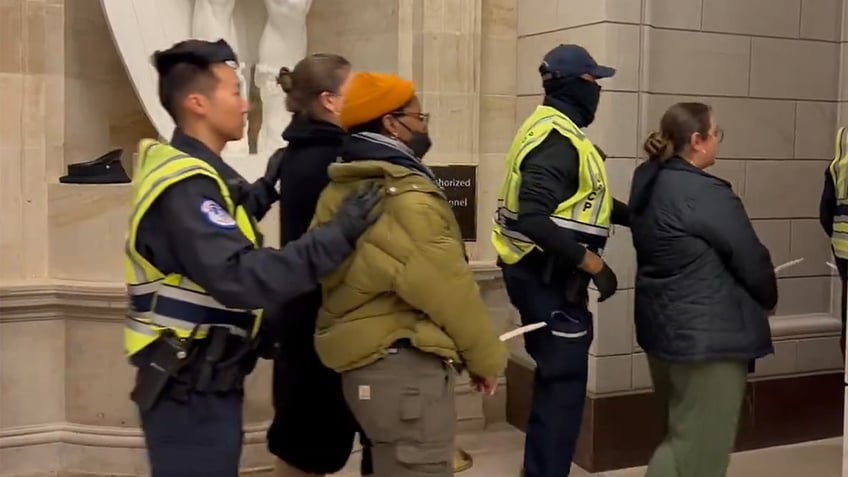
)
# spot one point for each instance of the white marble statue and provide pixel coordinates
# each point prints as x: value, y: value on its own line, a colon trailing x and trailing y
x: 283, y: 43
x: 212, y: 20
x: 267, y: 34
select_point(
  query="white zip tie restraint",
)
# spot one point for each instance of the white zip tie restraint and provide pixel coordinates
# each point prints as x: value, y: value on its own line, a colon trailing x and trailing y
x: 520, y: 331
x: 788, y: 264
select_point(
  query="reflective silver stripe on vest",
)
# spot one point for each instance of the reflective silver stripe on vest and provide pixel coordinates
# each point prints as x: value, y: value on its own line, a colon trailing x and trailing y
x: 581, y: 227
x: 168, y: 322
x: 143, y: 317
x: 504, y: 214
x: 137, y: 269
x: 139, y: 326
x: 840, y: 218
x: 138, y: 272
x: 558, y: 121
x: 517, y: 236
x: 194, y: 297
x: 144, y: 288
x: 595, y: 175
x: 563, y: 334
x: 153, y: 187
x: 149, y: 329
x: 200, y: 299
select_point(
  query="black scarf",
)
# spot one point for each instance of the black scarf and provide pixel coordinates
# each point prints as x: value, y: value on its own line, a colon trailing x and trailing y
x: 369, y: 146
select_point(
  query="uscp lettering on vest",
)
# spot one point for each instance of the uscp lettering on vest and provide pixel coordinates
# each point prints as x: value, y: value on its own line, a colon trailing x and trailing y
x: 586, y: 214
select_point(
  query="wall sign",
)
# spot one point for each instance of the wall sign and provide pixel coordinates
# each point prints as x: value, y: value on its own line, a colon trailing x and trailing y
x: 460, y: 186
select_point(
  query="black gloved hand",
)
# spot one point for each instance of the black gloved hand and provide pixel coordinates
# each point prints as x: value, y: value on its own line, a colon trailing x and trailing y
x: 272, y: 170
x: 606, y: 282
x: 358, y: 212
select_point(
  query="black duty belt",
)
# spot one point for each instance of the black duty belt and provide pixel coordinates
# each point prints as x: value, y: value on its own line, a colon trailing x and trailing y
x: 175, y: 368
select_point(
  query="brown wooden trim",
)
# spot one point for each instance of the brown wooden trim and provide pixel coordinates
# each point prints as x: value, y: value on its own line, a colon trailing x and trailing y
x: 622, y: 431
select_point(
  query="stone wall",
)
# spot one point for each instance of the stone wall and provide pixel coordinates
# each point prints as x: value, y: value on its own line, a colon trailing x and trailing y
x: 31, y: 95
x: 773, y: 81
x: 66, y: 98
x: 101, y: 108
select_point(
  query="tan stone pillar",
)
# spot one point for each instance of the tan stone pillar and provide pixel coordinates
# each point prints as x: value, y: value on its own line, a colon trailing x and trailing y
x: 32, y: 352
x: 447, y: 47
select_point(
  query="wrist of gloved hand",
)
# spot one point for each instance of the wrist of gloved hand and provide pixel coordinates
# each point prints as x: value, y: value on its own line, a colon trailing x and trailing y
x: 272, y: 169
x: 606, y: 282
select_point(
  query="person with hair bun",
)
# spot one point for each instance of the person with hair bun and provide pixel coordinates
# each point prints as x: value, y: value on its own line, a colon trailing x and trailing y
x: 705, y: 287
x: 313, y: 430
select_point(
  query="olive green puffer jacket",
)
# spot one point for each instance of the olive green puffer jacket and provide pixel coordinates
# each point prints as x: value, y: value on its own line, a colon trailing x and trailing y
x: 408, y: 278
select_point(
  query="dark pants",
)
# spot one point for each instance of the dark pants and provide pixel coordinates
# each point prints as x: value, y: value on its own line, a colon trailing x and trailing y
x: 842, y: 268
x: 561, y: 352
x: 200, y: 438
x: 313, y: 429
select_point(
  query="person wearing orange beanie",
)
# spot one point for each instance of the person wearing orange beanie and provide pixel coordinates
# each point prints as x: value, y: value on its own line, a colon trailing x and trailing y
x: 389, y: 323
x: 371, y: 96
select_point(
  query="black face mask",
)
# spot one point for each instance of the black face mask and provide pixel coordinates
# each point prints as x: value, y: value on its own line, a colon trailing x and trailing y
x: 592, y: 97
x: 579, y: 93
x: 419, y: 142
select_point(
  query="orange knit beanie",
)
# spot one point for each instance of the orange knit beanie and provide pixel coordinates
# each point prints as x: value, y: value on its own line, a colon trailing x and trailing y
x: 372, y: 95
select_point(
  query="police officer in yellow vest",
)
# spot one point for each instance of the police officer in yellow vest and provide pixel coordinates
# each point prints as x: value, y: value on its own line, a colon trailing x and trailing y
x: 197, y: 274
x: 833, y: 216
x: 554, y: 214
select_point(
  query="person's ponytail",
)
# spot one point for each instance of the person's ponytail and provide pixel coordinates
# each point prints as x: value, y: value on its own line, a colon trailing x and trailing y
x: 658, y: 147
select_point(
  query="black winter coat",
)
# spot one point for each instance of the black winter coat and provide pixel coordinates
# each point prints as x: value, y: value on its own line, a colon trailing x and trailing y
x: 312, y: 146
x: 704, y: 282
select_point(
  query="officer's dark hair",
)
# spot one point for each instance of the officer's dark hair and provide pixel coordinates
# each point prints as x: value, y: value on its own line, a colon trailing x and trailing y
x: 316, y: 74
x: 676, y: 128
x: 186, y: 67
x: 376, y: 125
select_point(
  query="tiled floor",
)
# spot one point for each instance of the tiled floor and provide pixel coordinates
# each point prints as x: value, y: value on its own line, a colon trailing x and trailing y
x: 497, y: 453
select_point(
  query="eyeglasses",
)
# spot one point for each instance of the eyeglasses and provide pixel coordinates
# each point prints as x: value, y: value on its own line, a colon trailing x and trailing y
x: 423, y: 117
x: 718, y: 133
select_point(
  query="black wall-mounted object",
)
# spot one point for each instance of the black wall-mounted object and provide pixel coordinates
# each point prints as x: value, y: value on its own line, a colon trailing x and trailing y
x: 106, y: 169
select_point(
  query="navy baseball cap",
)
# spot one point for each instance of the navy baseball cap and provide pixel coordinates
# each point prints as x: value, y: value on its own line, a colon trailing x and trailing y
x: 567, y: 61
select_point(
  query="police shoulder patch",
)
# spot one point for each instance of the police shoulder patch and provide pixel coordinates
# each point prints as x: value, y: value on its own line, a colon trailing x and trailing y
x: 216, y: 215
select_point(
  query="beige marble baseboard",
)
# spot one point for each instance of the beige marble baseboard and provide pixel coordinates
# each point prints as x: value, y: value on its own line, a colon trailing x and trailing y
x: 73, y: 449
x: 64, y: 406
x: 95, y: 436
x: 24, y: 301
x: 805, y: 345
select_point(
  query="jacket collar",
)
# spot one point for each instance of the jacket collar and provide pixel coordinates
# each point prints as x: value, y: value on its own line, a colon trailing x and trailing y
x: 369, y: 146
x: 678, y: 163
x: 193, y: 147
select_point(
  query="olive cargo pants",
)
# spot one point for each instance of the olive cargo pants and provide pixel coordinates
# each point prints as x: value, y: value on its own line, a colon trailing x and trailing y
x: 702, y: 404
x: 405, y: 405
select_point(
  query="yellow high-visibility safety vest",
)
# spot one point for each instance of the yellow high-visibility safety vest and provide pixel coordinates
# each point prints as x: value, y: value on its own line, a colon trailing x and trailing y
x: 586, y: 214
x: 839, y: 173
x: 158, y: 301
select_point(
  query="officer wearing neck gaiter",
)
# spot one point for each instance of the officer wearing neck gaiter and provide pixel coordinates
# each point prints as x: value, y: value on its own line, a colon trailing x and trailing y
x: 554, y: 215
